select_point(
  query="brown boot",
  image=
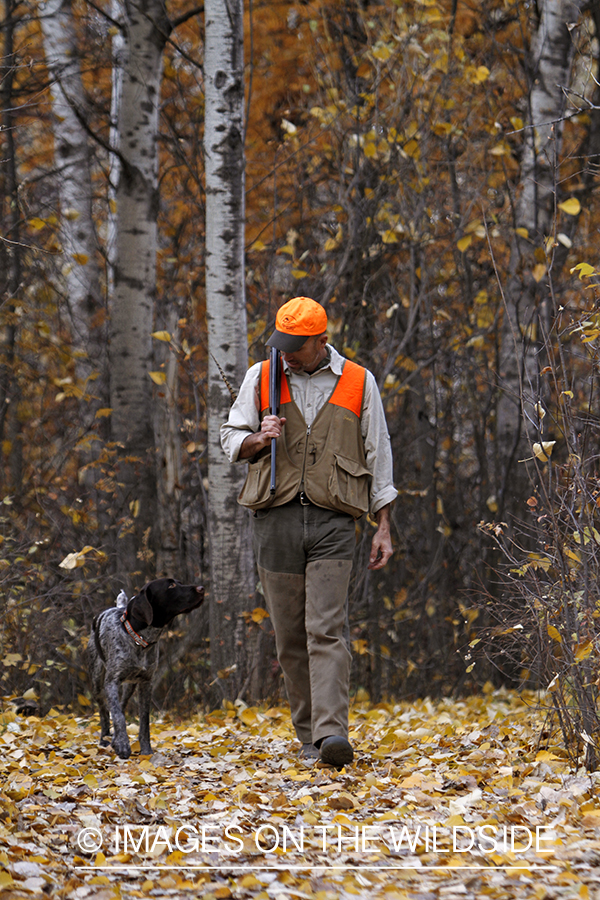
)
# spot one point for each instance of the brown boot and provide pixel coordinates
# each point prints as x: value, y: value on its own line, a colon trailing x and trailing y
x: 336, y: 751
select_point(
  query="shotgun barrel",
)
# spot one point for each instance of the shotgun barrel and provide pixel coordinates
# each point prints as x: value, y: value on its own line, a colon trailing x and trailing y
x: 274, y: 399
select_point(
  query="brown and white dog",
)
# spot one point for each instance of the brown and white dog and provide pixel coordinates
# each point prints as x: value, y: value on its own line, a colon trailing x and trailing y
x: 123, y: 652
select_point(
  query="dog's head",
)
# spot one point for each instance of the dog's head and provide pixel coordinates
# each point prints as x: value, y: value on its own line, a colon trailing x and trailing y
x: 161, y: 600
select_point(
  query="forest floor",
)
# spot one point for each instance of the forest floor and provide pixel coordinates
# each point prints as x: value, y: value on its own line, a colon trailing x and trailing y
x: 445, y: 799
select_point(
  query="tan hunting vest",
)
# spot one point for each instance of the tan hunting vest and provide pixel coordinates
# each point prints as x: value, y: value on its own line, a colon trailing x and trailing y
x: 326, y: 461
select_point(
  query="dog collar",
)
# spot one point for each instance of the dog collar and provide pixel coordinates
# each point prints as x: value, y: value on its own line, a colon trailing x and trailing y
x: 139, y: 640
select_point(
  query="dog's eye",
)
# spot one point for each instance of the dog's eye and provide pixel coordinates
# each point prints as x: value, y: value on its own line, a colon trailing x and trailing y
x: 172, y: 584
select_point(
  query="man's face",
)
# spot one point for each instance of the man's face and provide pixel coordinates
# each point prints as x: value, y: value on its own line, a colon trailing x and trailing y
x: 308, y: 357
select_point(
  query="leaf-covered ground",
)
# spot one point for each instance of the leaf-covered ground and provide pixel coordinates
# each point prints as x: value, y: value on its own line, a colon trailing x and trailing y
x: 445, y: 799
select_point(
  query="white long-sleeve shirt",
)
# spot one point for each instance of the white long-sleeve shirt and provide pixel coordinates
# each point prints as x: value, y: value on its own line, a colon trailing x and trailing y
x: 310, y: 393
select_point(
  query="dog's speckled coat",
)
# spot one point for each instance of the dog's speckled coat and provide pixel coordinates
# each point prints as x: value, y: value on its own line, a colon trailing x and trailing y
x: 117, y: 663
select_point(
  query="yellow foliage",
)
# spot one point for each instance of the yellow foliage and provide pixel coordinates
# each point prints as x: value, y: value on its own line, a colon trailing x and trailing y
x: 381, y: 51
x: 543, y: 450
x: 584, y: 270
x: 571, y: 207
x: 539, y: 272
x: 411, y: 148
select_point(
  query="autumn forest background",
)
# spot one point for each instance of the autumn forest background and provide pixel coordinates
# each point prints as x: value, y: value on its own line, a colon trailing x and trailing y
x: 426, y: 169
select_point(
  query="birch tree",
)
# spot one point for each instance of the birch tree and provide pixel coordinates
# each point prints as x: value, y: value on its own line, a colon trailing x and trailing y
x: 131, y: 387
x: 231, y: 562
x: 11, y: 262
x: 527, y: 306
x: 73, y: 176
x: 119, y: 54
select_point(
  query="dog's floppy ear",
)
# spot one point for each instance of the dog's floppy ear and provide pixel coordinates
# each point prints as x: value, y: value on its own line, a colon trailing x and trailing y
x: 140, y: 607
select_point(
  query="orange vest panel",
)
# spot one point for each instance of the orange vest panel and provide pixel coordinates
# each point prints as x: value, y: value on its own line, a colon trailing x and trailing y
x: 348, y: 392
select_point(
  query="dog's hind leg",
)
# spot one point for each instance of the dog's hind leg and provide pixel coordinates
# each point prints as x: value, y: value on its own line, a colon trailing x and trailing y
x: 144, y: 698
x: 104, y: 720
x: 120, y: 740
x: 97, y: 673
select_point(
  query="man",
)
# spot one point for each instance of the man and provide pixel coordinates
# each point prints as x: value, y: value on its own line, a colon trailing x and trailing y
x: 333, y: 464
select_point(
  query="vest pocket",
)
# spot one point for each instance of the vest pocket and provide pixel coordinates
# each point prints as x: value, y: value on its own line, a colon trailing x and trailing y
x: 256, y: 492
x: 349, y: 482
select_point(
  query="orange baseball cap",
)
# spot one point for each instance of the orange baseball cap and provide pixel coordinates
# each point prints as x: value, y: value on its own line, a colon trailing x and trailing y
x: 297, y: 320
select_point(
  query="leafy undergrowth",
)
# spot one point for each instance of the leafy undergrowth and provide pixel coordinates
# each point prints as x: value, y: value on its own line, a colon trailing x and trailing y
x: 446, y: 799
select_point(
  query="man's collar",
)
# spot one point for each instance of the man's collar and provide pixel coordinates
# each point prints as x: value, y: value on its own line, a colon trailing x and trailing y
x: 333, y: 361
x: 336, y: 360
x: 325, y: 361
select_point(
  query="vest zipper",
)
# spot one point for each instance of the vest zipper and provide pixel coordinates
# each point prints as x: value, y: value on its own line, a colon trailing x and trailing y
x: 304, y: 459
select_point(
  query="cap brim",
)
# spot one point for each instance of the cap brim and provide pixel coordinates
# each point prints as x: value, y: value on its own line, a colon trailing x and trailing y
x: 289, y: 343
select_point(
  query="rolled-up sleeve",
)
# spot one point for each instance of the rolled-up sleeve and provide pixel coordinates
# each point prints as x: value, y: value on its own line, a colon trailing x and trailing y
x: 378, y: 448
x: 243, y: 416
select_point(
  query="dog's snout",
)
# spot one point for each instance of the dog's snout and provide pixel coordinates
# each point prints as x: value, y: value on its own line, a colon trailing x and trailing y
x: 199, y: 589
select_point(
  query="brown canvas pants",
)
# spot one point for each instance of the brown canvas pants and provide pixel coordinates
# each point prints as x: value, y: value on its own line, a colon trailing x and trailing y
x: 304, y: 557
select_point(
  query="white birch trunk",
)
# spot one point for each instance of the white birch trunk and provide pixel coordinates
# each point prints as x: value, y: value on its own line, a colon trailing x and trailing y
x: 72, y: 154
x: 132, y: 310
x: 231, y: 562
x: 552, y: 56
x: 517, y: 420
x: 119, y: 55
x: 168, y: 448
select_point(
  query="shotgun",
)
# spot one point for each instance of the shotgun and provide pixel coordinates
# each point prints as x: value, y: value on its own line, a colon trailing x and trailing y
x: 274, y: 398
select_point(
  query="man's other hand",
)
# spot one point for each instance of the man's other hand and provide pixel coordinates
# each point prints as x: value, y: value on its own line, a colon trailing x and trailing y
x: 381, y: 545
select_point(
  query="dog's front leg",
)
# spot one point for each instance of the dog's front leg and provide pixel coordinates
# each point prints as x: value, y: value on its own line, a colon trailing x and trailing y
x: 120, y: 740
x: 127, y: 689
x: 144, y: 697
